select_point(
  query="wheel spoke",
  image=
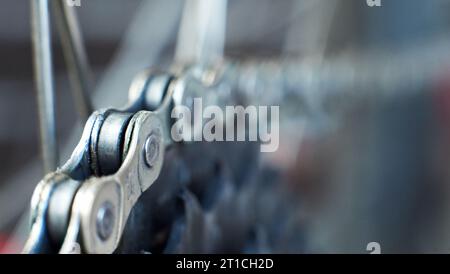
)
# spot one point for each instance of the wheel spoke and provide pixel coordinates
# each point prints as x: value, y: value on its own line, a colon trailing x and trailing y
x: 75, y: 56
x: 42, y: 49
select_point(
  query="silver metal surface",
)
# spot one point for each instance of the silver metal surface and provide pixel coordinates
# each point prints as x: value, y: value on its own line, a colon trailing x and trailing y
x: 41, y: 34
x: 132, y: 175
x: 201, y: 38
x: 119, y: 156
x: 151, y: 150
x: 118, y: 159
x: 121, y: 189
x: 105, y: 220
x: 110, y: 92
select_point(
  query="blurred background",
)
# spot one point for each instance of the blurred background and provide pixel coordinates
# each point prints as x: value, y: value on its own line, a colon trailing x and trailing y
x: 363, y: 154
